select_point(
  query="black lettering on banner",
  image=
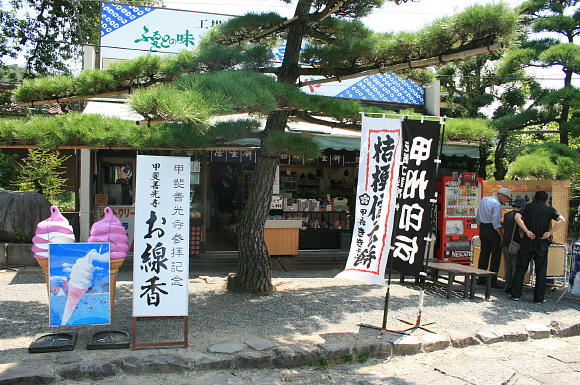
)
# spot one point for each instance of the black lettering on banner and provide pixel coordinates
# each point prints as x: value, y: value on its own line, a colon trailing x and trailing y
x: 153, y: 291
x: 415, y: 190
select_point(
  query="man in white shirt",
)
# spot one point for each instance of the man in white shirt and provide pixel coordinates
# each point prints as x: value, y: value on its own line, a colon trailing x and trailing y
x: 491, y: 231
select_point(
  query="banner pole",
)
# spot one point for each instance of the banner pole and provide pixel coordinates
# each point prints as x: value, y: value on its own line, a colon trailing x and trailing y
x: 428, y: 250
x: 383, y: 329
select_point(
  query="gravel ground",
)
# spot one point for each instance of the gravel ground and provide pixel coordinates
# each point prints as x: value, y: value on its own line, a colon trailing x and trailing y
x: 307, y: 307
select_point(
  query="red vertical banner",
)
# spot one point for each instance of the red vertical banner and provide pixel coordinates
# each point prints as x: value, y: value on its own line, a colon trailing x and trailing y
x: 375, y: 202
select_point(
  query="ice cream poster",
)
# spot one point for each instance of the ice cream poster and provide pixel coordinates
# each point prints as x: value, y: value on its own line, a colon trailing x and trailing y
x: 79, y: 284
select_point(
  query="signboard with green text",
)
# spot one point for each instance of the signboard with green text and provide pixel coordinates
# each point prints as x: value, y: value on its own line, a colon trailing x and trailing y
x: 129, y: 31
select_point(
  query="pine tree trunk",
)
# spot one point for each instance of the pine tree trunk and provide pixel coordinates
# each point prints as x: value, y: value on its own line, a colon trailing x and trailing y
x: 565, y: 111
x: 483, y: 151
x: 500, y: 164
x: 254, y: 274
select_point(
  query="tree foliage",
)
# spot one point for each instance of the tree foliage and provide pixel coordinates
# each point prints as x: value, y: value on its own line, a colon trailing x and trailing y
x: 336, y: 44
x: 8, y: 171
x: 535, y: 165
x: 552, y: 18
x: 50, y: 33
x: 41, y: 171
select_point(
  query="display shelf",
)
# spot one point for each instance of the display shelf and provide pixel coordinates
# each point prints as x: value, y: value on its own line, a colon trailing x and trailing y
x: 317, y: 212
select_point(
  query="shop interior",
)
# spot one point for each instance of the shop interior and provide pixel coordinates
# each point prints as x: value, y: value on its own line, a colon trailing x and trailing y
x: 321, y: 197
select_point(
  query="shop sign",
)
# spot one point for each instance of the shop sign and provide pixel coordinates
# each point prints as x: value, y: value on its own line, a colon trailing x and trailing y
x: 460, y: 254
x: 376, y: 194
x: 129, y: 31
x: 414, y: 195
x: 126, y: 215
x: 161, y: 257
x: 329, y: 157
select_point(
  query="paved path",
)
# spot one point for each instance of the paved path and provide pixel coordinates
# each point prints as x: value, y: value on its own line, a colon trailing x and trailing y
x: 311, y: 317
x: 535, y: 362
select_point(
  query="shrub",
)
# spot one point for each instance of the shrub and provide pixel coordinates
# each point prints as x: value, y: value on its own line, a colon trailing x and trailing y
x: 8, y: 171
x: 537, y: 165
x: 42, y: 172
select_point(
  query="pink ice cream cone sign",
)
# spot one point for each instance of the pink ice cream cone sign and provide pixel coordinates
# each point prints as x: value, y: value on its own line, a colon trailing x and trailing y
x: 54, y: 229
x: 110, y: 229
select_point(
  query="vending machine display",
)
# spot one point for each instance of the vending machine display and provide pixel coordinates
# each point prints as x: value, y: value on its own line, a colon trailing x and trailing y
x: 458, y: 198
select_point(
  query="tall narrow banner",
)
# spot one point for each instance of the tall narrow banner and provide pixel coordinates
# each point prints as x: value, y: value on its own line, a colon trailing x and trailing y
x: 414, y: 195
x: 161, y: 257
x: 375, y: 200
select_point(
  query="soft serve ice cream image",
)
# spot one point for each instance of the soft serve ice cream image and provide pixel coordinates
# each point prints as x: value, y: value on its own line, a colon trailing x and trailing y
x: 86, y: 265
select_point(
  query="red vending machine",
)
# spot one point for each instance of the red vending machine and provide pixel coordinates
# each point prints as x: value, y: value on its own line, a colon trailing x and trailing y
x: 458, y: 199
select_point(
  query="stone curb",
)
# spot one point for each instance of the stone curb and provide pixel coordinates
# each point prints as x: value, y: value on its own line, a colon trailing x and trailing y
x: 39, y: 371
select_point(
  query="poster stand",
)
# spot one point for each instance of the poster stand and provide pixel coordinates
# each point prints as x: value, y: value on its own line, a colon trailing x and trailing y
x: 109, y: 339
x: 135, y: 344
x: 53, y: 342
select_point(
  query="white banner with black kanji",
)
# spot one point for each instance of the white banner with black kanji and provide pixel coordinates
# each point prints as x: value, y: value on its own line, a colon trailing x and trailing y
x: 161, y: 257
x: 375, y: 201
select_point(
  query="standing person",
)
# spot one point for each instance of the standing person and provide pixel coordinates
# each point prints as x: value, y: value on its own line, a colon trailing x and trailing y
x: 511, y: 233
x: 491, y: 231
x: 535, y: 221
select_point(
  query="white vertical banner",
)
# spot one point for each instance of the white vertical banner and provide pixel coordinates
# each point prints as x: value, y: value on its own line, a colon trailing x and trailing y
x: 161, y: 257
x: 375, y: 201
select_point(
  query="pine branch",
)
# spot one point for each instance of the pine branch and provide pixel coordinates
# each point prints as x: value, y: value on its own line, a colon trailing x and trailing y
x: 306, y: 117
x: 310, y: 19
x: 421, y: 63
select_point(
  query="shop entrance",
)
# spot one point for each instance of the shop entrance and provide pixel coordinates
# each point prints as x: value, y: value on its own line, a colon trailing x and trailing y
x: 228, y: 189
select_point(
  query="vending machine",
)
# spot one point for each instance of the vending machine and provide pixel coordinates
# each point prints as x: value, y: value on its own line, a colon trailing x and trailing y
x: 458, y: 198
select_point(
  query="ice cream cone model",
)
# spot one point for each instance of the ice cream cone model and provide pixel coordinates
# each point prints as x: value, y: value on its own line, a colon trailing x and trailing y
x: 54, y: 229
x: 114, y: 269
x: 81, y: 279
x: 110, y: 229
x: 44, y: 265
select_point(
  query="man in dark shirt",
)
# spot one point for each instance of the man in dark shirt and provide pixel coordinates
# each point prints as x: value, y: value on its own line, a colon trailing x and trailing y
x: 511, y: 233
x: 534, y: 220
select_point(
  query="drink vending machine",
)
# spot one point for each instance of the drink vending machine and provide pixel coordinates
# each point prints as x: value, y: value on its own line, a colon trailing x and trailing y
x: 457, y: 200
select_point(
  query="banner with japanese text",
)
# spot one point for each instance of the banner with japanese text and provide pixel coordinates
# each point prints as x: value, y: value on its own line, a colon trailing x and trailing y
x: 129, y: 31
x: 414, y: 195
x: 375, y: 200
x: 161, y: 257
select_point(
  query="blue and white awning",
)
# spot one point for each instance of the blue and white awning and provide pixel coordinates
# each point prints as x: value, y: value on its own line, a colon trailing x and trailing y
x: 114, y: 16
x: 386, y: 87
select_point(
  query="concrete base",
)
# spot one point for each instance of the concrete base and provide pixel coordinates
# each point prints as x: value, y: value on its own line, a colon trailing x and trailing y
x: 3, y: 254
x: 19, y: 254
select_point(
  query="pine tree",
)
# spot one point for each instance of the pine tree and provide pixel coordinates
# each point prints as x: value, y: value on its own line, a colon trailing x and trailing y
x: 553, y: 18
x: 230, y: 71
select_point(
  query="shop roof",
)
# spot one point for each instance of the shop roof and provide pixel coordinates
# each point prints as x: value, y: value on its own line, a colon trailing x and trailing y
x: 327, y: 137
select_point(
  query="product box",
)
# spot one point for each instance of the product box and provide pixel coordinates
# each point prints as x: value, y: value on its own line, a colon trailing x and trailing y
x: 303, y: 205
x: 290, y: 204
x: 340, y: 204
x: 313, y: 205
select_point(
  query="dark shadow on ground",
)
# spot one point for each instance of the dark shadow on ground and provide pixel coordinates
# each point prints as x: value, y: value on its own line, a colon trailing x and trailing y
x: 217, y: 312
